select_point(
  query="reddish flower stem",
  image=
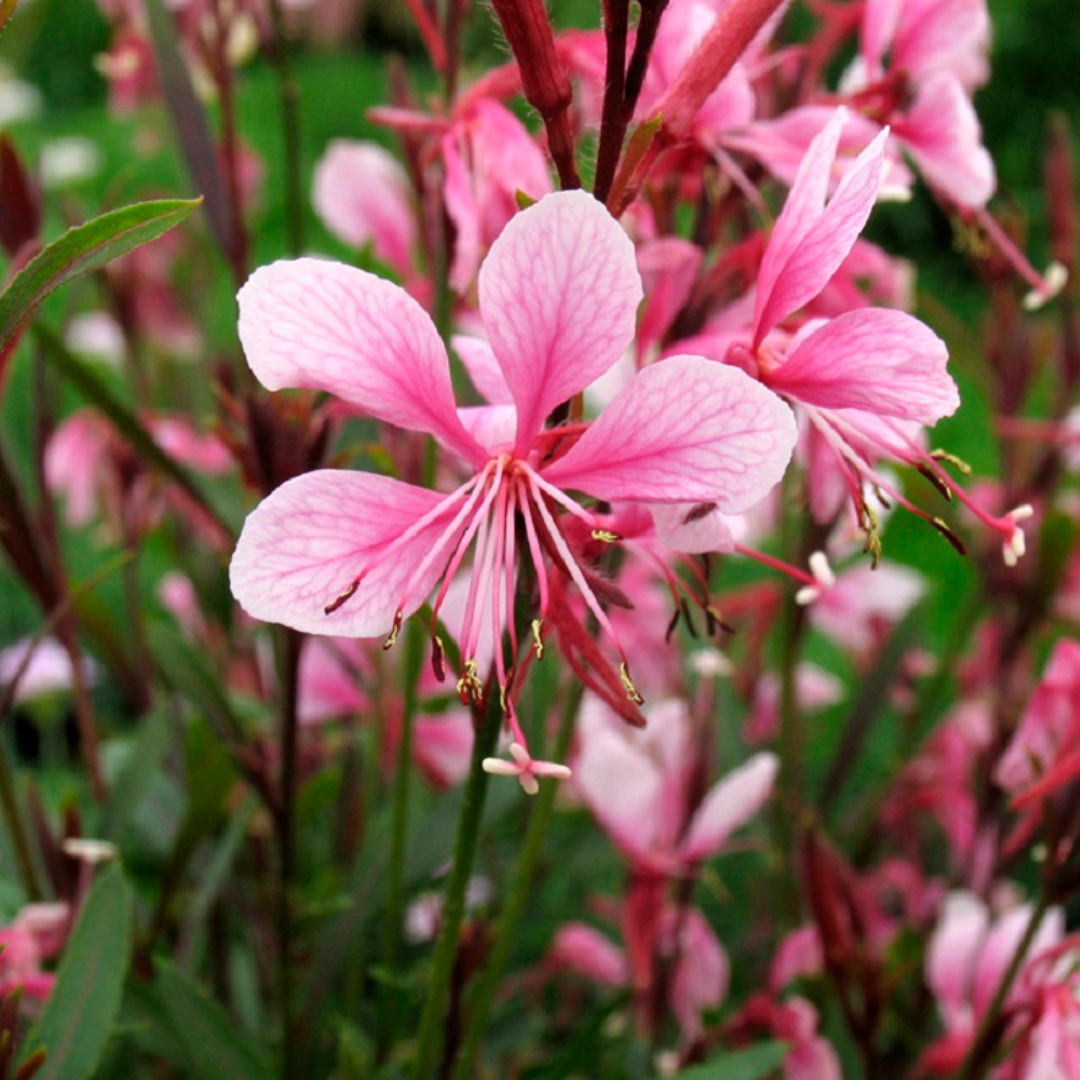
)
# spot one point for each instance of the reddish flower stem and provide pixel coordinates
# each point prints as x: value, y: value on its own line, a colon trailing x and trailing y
x: 544, y: 80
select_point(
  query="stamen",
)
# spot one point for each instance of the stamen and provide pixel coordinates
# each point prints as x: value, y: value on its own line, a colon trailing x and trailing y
x: 606, y: 536
x: 538, y: 641
x: 469, y: 687
x: 631, y: 689
x: 392, y: 639
x: 438, y: 657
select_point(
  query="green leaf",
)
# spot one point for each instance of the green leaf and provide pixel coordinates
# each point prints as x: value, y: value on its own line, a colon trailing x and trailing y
x: 84, y: 248
x: 137, y: 775
x: 754, y: 1063
x: 214, y: 1046
x: 89, y: 383
x: 75, y: 1025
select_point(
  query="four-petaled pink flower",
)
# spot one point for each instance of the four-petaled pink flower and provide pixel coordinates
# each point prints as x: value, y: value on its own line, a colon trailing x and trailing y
x: 354, y: 553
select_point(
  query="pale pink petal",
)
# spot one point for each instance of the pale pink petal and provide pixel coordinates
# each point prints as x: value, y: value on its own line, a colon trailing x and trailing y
x: 875, y: 359
x: 578, y: 947
x: 802, y: 208
x: 950, y: 36
x: 729, y: 805
x: 942, y: 134
x: 809, y: 249
x: 669, y: 268
x: 492, y: 426
x: 879, y: 22
x: 559, y: 292
x: 621, y: 786
x: 702, y: 971
x: 361, y: 193
x: 693, y: 528
x: 489, y: 156
x: 323, y: 325
x: 683, y: 430
x: 484, y: 371
x: 307, y: 541
x: 952, y: 953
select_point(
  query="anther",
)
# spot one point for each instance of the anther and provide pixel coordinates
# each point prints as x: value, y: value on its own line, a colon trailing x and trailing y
x: 334, y: 605
x: 628, y: 684
x: 438, y: 658
x: 392, y: 639
x: 538, y: 641
x: 606, y: 536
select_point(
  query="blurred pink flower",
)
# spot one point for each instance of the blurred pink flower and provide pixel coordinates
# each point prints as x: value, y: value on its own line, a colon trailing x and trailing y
x: 38, y: 932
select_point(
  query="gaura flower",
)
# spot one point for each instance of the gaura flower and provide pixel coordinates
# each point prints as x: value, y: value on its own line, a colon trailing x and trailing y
x: 354, y: 553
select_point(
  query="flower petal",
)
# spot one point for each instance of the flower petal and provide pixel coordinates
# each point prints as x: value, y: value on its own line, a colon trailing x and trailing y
x: 809, y: 243
x: 942, y: 133
x: 874, y: 359
x: 361, y: 194
x: 323, y: 325
x: 729, y: 805
x: 683, y: 430
x: 559, y: 292
x: 308, y: 540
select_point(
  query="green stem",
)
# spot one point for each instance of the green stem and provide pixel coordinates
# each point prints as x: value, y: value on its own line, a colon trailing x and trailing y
x: 290, y: 129
x: 982, y: 1044
x: 17, y: 830
x: 430, y: 1035
x: 519, y: 895
x: 395, y: 888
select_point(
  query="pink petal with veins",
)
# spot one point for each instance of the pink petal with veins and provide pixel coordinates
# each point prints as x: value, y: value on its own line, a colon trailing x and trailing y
x: 683, y: 430
x: 326, y: 326
x: 559, y: 293
x: 809, y: 243
x: 729, y: 805
x: 874, y: 359
x: 307, y: 541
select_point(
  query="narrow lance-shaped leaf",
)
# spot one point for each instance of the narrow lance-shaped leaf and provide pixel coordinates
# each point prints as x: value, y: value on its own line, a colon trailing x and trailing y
x: 192, y: 129
x: 84, y: 248
x: 75, y: 1026
x: 210, y: 1037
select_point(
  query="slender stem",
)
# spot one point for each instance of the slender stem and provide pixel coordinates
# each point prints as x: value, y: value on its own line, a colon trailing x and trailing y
x: 290, y: 644
x: 982, y: 1044
x: 430, y: 1035
x: 612, y: 121
x: 395, y: 888
x: 518, y: 899
x: 290, y: 128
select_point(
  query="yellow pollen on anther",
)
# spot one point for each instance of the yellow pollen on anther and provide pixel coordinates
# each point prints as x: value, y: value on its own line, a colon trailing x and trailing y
x: 469, y: 686
x: 392, y: 639
x: 538, y: 641
x: 631, y: 689
x: 605, y: 535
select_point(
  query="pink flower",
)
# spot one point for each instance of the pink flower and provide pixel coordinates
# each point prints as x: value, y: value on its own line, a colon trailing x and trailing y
x: 637, y: 782
x: 353, y: 554
x: 38, y: 932
x: 362, y: 196
x: 1042, y: 755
